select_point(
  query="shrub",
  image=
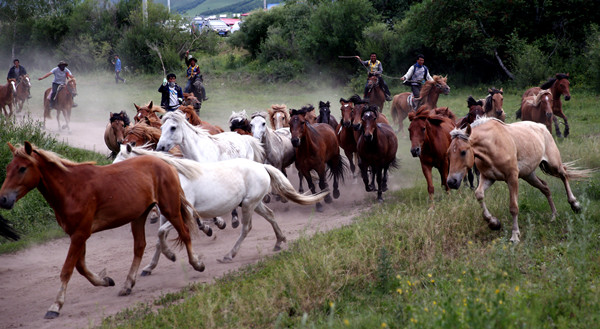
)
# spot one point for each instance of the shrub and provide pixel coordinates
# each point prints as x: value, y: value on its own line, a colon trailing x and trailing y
x: 529, y: 63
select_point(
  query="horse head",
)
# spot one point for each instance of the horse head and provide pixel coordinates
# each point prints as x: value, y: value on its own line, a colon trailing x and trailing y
x: 13, y: 84
x: 118, y: 122
x: 22, y: 175
x: 494, y: 101
x: 298, y: 125
x: 369, y: 121
x: 324, y: 112
x: 172, y: 131
x: 190, y: 114
x: 543, y: 101
x: 258, y: 125
x: 441, y: 85
x: 417, y: 129
x: 347, y: 108
x: 475, y: 109
x: 563, y: 85
x: 239, y: 121
x: 278, y: 116
x: 372, y: 82
x: 460, y: 156
x: 191, y: 100
x: 72, y: 86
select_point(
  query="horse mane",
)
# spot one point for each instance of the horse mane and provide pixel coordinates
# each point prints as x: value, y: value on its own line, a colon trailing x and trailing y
x: 188, y: 109
x: 179, y: 118
x: 120, y: 116
x: 445, y: 112
x: 481, y: 120
x: 426, y: 89
x: 357, y: 100
x: 324, y: 104
x: 262, y: 114
x: 144, y: 131
x: 307, y: 108
x: 548, y: 83
x: 538, y: 97
x: 459, y: 133
x: 238, y: 115
x: 48, y: 156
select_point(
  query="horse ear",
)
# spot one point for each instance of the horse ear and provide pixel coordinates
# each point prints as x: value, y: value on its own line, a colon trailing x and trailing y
x: 11, y: 147
x: 151, y: 105
x: 468, y: 130
x: 490, y: 90
x: 411, y: 115
x: 136, y: 107
x: 501, y: 91
x: 28, y: 148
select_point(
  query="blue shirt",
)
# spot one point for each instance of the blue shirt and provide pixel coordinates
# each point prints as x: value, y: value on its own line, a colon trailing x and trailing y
x: 118, y: 65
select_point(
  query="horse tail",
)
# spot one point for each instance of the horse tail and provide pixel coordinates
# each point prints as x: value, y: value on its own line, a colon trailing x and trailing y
x: 283, y: 187
x: 394, y: 111
x: 7, y: 231
x: 576, y: 173
x: 187, y: 210
x: 339, y: 169
x: 257, y: 149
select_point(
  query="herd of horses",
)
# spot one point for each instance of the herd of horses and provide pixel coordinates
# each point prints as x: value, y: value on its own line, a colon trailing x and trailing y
x: 171, y: 160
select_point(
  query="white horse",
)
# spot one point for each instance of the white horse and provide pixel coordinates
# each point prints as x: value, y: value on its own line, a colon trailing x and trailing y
x: 278, y: 146
x: 198, y: 145
x: 216, y: 188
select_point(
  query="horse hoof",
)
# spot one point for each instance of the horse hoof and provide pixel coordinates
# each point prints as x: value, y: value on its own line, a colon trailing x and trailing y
x: 51, y: 315
x: 277, y: 248
x: 171, y: 257
x: 380, y: 199
x: 576, y: 207
x: 235, y: 223
x: 109, y: 282
x: 336, y: 194
x: 328, y: 199
x: 225, y: 260
x: 199, y: 267
x: 495, y: 224
x: 267, y: 198
x: 145, y: 273
x: 209, y: 232
x: 369, y: 188
x: 319, y: 207
x: 125, y: 292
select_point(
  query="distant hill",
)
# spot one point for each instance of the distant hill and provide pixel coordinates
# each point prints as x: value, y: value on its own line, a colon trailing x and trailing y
x: 214, y: 7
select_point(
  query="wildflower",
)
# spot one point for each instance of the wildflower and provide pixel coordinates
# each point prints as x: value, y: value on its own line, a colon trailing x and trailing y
x: 517, y: 288
x: 464, y: 272
x: 443, y: 311
x: 331, y: 304
x: 383, y: 325
x: 426, y: 309
x: 470, y: 242
x: 429, y: 275
x: 497, y: 291
x: 399, y: 290
x: 488, y: 310
x: 459, y: 280
x: 432, y: 281
x: 500, y: 302
x: 398, y: 277
x: 504, y: 247
x: 346, y: 322
x: 477, y: 300
x: 408, y: 282
x: 434, y: 303
x: 504, y: 273
x: 413, y: 320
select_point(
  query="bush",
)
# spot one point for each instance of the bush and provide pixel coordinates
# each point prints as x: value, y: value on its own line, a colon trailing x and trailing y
x: 592, y: 55
x: 529, y: 63
x: 281, y: 70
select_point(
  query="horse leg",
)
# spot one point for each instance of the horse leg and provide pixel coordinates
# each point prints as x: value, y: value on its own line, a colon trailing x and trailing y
x: 246, y: 227
x: 268, y: 214
x: 379, y: 184
x: 428, y: 177
x: 555, y: 119
x: 484, y: 184
x: 219, y: 222
x: 513, y: 189
x: 323, y: 185
x: 385, y: 178
x: 95, y: 279
x: 564, y: 117
x: 311, y: 186
x: 139, y: 244
x: 300, y: 188
x: 365, y: 175
x: 350, y: 156
x: 235, y: 222
x: 555, y: 168
x: 163, y: 232
x: 176, y: 218
x: 541, y: 185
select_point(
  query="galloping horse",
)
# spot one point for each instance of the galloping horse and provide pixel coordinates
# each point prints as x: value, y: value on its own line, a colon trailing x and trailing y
x: 538, y: 108
x: 142, y: 134
x: 493, y: 104
x: 190, y: 100
x: 316, y: 149
x: 149, y: 111
x: 279, y: 116
x: 84, y: 204
x: 325, y: 115
x: 192, y: 117
x: 475, y: 110
x: 115, y: 131
x: 278, y: 146
x: 507, y: 152
x: 7, y: 93
x: 345, y: 132
x: 239, y: 123
x: 63, y: 102
x: 357, y: 112
x: 430, y: 137
x: 402, y: 103
x: 375, y: 93
x: 376, y: 148
x: 559, y: 85
x: 22, y: 94
x: 216, y: 188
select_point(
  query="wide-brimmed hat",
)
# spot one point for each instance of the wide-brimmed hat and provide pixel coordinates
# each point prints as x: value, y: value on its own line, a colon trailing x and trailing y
x: 193, y: 59
x: 62, y: 63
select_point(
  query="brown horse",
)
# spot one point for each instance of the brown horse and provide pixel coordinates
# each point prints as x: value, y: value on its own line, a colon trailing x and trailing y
x: 149, y: 111
x: 84, y: 204
x: 192, y: 117
x: 316, y: 149
x: 559, y: 85
x: 63, y: 102
x: 375, y: 93
x: 475, y: 110
x: 538, y: 108
x: 376, y: 147
x: 190, y: 100
x: 279, y: 116
x: 239, y: 123
x: 115, y: 131
x: 357, y: 112
x: 22, y: 94
x: 7, y: 93
x: 345, y: 132
x: 493, y: 104
x: 325, y: 115
x: 402, y: 103
x: 142, y: 134
x: 507, y: 152
x: 429, y: 132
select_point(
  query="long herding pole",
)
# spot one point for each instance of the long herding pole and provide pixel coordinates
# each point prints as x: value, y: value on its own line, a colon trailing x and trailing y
x: 155, y: 48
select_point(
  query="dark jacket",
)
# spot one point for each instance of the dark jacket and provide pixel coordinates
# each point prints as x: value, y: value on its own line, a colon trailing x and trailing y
x: 13, y: 75
x: 164, y: 90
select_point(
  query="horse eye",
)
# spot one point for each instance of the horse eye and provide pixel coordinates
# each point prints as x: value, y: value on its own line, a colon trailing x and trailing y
x: 423, y: 129
x: 22, y: 170
x: 264, y: 123
x: 173, y: 128
x: 463, y: 153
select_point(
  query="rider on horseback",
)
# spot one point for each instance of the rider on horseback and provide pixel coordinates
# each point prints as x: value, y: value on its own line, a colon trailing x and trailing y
x: 416, y: 76
x: 193, y: 73
x: 16, y: 72
x: 374, y: 67
x: 61, y: 73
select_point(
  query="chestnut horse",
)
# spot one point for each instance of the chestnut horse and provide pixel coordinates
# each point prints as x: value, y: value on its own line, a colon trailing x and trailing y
x: 22, y: 92
x: 357, y: 112
x: 507, y: 152
x: 142, y: 134
x: 7, y: 93
x: 316, y: 149
x: 63, y: 102
x: 375, y: 93
x: 239, y: 123
x: 325, y: 115
x: 115, y: 131
x: 191, y: 100
x: 538, y: 108
x: 559, y: 85
x: 84, y: 204
x: 493, y: 103
x: 345, y: 132
x: 429, y: 132
x: 402, y: 103
x: 279, y: 116
x: 376, y: 147
x: 192, y: 117
x: 149, y: 111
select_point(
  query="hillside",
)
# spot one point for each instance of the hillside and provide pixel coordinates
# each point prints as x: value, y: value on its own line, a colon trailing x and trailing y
x: 214, y: 7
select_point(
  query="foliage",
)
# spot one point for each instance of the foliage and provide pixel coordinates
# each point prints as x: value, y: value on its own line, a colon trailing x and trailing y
x: 592, y: 56
x: 529, y: 63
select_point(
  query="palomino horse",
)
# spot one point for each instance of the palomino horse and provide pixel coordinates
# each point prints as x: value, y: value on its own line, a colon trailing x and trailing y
x: 507, y: 152
x: 63, y: 102
x: 492, y: 104
x: 22, y: 94
x: 430, y: 137
x: 325, y: 115
x: 192, y: 117
x: 7, y: 93
x: 278, y: 146
x: 239, y: 123
x: 216, y: 188
x: 559, y: 85
x: 538, y: 108
x: 279, y: 116
x: 148, y: 111
x: 115, y: 131
x: 376, y: 148
x: 316, y: 149
x: 375, y: 93
x: 84, y: 203
x: 402, y: 103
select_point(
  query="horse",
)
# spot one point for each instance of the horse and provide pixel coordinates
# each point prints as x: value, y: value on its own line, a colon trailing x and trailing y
x: 192, y: 117
x: 357, y: 112
x: 279, y: 116
x: 325, y: 115
x: 345, y: 132
x: 63, y: 102
x: 149, y: 111
x: 376, y: 147
x: 84, y: 204
x: 507, y: 152
x: 198, y: 89
x: 475, y: 110
x: 402, y: 103
x: 239, y: 123
x: 22, y: 92
x: 493, y: 104
x: 115, y: 131
x: 375, y: 93
x: 7, y: 93
x: 190, y: 100
x: 141, y: 134
x: 279, y: 150
x: 429, y: 132
x: 538, y: 108
x: 559, y: 85
x: 246, y: 184
x: 316, y: 149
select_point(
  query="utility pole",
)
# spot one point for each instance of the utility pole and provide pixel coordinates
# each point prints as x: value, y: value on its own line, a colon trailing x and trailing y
x: 145, y: 10
x: 169, y: 6
x: 265, y: 4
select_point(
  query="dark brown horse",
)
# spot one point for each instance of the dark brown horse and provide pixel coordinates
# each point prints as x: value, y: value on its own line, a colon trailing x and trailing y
x: 240, y: 123
x: 559, y: 85
x: 357, y: 112
x: 345, y: 132
x: 538, y: 108
x: 149, y: 111
x: 22, y: 94
x: 325, y: 115
x: 316, y: 149
x: 492, y: 104
x: 63, y: 102
x: 376, y: 147
x: 85, y: 203
x: 115, y: 131
x: 403, y: 103
x: 7, y: 93
x: 192, y: 117
x: 475, y: 110
x: 430, y: 137
x: 375, y: 94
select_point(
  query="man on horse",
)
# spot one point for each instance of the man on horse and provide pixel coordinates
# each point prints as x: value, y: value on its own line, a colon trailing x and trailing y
x: 417, y: 75
x: 61, y: 73
x: 193, y: 73
x: 172, y: 95
x: 16, y: 72
x: 374, y: 68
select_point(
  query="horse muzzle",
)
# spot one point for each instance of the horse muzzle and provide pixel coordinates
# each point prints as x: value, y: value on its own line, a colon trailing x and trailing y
x: 8, y: 200
x: 454, y: 181
x: 415, y: 151
x: 567, y: 97
x: 549, y: 115
x: 357, y: 126
x: 295, y: 142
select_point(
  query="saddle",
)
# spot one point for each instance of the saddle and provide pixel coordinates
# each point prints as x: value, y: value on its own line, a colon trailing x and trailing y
x: 57, y: 90
x: 413, y: 102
